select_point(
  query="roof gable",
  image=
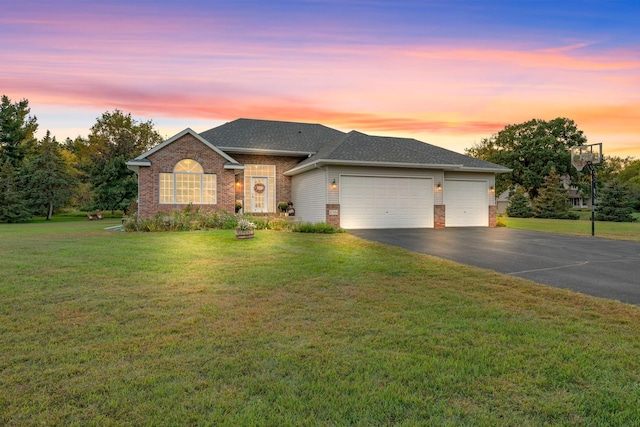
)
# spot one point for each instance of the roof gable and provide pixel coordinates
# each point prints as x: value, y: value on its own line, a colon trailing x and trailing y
x: 142, y: 160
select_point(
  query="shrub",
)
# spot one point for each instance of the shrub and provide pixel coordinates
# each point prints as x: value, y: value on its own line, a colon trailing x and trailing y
x: 189, y: 219
x: 319, y: 227
x: 277, y: 224
x: 261, y: 222
x: 184, y: 220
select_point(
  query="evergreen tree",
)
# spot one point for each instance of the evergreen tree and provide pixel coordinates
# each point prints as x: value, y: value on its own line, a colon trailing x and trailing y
x: 48, y: 178
x: 519, y: 206
x: 17, y: 131
x: 552, y: 200
x: 13, y: 204
x: 613, y: 204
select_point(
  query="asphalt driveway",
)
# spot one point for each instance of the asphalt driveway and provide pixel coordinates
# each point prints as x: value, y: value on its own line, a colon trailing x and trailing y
x: 599, y: 267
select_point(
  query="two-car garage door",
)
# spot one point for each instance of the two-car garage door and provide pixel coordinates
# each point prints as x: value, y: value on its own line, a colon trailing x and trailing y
x: 386, y: 202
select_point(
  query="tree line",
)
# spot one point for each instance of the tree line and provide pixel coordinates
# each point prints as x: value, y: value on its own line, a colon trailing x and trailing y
x: 538, y: 153
x: 40, y: 176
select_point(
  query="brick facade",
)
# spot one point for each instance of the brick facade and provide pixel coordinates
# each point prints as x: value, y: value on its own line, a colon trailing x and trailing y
x: 230, y: 187
x: 164, y: 160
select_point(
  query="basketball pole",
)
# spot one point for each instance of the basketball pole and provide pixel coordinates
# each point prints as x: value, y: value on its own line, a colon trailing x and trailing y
x: 593, y: 200
x: 580, y: 159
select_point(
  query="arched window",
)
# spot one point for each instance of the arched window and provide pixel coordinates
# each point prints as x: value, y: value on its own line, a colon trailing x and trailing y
x: 188, y: 184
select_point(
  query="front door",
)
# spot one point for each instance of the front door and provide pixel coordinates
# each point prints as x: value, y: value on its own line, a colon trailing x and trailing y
x: 259, y: 194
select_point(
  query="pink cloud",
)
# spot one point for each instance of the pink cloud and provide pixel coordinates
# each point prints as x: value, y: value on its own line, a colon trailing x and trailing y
x: 217, y: 68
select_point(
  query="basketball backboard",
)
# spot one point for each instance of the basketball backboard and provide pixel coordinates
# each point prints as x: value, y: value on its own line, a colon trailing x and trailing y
x: 583, y: 155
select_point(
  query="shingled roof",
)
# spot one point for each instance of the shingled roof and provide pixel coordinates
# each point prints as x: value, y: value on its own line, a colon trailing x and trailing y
x: 324, y: 145
x: 357, y: 148
x: 267, y: 136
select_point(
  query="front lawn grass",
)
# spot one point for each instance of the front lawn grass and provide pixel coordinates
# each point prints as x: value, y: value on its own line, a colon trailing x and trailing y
x: 197, y: 328
x: 605, y: 229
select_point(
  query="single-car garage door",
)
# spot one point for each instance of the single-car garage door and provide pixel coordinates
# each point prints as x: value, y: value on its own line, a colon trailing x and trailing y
x: 386, y: 202
x: 466, y: 203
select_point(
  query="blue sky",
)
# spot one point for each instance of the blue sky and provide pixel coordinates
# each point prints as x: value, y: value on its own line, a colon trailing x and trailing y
x: 446, y: 72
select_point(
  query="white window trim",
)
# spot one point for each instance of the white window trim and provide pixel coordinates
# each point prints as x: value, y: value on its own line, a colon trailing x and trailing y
x: 175, y: 188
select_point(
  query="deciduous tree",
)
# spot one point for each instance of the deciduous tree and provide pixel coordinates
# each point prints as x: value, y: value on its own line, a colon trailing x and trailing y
x: 630, y: 178
x: 531, y: 149
x: 114, y: 139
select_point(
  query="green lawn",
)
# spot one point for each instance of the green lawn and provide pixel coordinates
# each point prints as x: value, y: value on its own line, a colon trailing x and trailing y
x: 197, y: 328
x: 582, y: 227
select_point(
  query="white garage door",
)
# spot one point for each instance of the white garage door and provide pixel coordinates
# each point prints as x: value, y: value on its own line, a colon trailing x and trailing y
x: 386, y: 202
x: 466, y: 203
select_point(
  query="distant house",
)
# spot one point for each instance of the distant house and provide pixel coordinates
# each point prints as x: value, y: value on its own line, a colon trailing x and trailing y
x: 576, y: 199
x: 352, y: 180
x: 574, y: 196
x: 502, y: 202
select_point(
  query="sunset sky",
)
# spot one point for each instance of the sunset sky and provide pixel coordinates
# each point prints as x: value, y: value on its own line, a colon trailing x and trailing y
x: 445, y: 72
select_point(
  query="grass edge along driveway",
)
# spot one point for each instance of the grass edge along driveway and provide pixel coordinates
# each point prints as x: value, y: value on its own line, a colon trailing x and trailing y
x: 108, y: 328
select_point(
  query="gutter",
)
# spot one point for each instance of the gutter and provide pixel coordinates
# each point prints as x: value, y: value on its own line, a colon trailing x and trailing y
x: 288, y: 153
x: 446, y: 167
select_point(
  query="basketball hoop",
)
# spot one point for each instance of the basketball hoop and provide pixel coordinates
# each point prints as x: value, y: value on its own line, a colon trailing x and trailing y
x: 586, y: 155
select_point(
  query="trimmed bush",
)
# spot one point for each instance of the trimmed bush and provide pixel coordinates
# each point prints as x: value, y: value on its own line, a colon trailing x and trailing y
x: 319, y: 227
x: 185, y: 220
x: 190, y: 219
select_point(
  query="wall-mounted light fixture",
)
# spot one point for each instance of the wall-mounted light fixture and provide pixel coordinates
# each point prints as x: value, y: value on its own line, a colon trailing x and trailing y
x: 491, y: 189
x: 237, y: 182
x: 333, y: 184
x: 438, y: 187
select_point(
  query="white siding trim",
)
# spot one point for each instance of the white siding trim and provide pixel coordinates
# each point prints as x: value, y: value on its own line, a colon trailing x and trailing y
x: 309, y: 195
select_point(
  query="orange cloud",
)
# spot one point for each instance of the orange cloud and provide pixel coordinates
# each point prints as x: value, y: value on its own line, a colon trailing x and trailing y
x: 218, y: 68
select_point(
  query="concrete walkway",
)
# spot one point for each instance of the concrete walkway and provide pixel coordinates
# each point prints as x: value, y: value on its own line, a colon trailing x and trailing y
x: 593, y: 266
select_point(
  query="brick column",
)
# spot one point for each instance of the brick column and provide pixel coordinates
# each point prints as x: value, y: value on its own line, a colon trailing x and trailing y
x: 493, y: 215
x: 333, y: 214
x: 438, y: 216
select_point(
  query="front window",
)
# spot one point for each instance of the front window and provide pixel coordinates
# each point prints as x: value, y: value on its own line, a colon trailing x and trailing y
x: 188, y: 184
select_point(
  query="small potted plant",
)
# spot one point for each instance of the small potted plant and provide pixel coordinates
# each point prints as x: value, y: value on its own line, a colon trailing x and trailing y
x: 245, y: 229
x: 282, y: 207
